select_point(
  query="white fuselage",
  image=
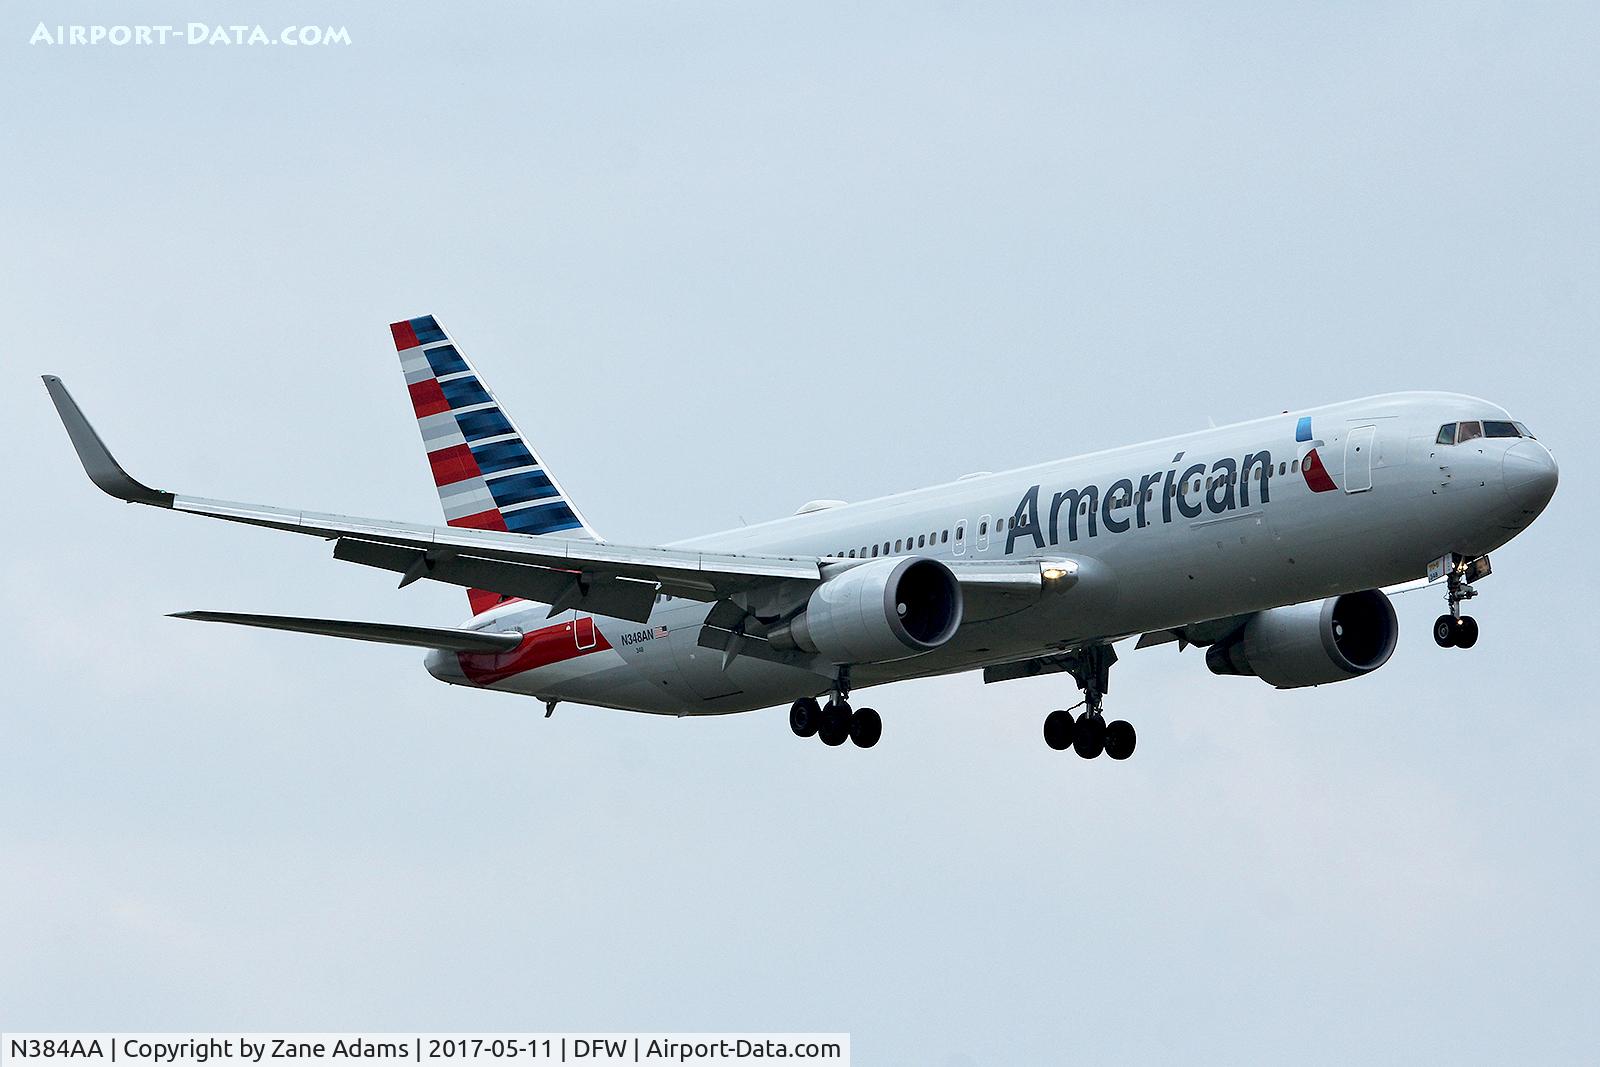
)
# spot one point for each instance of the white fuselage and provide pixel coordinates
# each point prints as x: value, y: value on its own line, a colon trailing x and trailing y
x: 1385, y: 499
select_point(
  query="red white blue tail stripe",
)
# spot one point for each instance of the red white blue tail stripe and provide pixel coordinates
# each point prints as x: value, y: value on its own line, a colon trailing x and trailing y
x: 487, y: 475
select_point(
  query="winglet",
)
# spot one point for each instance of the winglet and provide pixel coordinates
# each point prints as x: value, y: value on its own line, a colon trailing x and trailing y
x: 98, y: 463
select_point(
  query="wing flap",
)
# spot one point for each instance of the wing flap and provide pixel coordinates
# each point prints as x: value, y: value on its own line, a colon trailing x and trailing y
x: 561, y: 588
x: 697, y: 575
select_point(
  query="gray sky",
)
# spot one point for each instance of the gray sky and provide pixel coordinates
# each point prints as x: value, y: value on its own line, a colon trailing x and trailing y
x: 721, y: 259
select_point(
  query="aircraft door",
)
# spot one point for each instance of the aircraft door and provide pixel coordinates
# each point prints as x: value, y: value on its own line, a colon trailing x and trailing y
x: 960, y: 547
x: 1358, y: 449
x: 583, y: 630
x: 983, y: 533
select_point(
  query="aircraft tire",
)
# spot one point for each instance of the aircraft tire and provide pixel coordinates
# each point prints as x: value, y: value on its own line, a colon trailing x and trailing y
x: 866, y: 726
x: 804, y: 717
x: 1466, y: 634
x: 834, y: 728
x: 1444, y: 631
x: 1089, y: 736
x: 1120, y: 739
x: 1058, y: 730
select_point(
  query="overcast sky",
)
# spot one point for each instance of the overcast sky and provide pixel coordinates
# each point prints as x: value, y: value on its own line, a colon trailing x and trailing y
x: 721, y: 259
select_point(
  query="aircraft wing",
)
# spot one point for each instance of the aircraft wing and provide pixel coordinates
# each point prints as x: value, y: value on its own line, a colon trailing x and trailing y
x: 607, y: 579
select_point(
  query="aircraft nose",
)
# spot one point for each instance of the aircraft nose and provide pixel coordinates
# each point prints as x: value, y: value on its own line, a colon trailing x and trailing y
x: 1529, y: 475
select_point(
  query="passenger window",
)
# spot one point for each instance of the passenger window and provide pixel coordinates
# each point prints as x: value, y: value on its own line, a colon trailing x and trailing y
x: 897, y: 544
x: 1499, y: 429
x: 1283, y: 468
x: 943, y: 538
x: 886, y: 548
x: 852, y: 553
x: 961, y: 531
x: 922, y: 540
x: 874, y: 551
x: 1295, y: 466
x: 1468, y: 431
x: 1447, y: 434
x: 983, y: 528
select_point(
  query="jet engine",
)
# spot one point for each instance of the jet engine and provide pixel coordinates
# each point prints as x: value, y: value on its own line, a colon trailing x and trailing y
x: 1312, y: 644
x: 880, y: 611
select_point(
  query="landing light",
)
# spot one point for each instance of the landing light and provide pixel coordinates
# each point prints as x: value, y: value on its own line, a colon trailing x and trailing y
x: 1053, y: 572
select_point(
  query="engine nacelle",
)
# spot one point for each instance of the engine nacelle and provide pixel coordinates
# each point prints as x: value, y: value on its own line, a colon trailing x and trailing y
x: 1312, y: 644
x: 885, y: 610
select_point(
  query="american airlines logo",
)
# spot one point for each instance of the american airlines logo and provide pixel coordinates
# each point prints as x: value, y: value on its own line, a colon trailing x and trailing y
x: 1222, y: 487
x: 1316, y: 474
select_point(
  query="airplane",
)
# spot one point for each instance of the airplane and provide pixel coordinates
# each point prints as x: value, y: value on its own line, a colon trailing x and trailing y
x: 1269, y: 543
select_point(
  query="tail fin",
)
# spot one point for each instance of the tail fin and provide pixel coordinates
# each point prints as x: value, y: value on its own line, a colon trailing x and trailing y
x: 488, y: 477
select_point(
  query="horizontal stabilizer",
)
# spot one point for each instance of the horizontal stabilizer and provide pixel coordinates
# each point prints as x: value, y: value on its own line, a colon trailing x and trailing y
x: 381, y: 632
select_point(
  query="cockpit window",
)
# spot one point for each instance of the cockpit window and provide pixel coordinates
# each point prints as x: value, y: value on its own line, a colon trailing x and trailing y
x: 1459, y: 433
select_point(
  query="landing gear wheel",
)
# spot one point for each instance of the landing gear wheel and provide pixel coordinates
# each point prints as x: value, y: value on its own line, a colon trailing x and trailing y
x: 1120, y: 739
x: 1444, y: 631
x: 804, y: 717
x: 835, y: 726
x: 1466, y: 634
x: 866, y: 726
x: 1089, y: 736
x: 1058, y: 730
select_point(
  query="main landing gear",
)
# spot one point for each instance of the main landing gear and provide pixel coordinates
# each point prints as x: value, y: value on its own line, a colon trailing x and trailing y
x: 835, y: 722
x: 1456, y: 630
x: 1089, y: 734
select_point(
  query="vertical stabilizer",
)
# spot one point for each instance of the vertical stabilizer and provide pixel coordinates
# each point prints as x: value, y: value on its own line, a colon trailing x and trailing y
x: 488, y: 476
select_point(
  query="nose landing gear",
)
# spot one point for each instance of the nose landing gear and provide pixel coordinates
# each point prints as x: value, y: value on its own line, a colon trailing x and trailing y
x: 1456, y: 630
x: 1089, y: 734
